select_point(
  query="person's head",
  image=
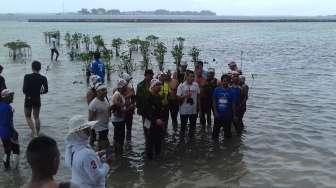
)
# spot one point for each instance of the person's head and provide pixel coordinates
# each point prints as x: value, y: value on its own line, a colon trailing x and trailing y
x: 233, y: 66
x: 122, y: 85
x: 149, y: 75
x: 211, y: 74
x: 101, y: 91
x: 80, y: 128
x: 155, y: 86
x: 1, y: 68
x: 183, y: 66
x: 199, y: 68
x: 96, y: 55
x: 94, y: 79
x: 190, y: 76
x: 225, y: 80
x: 168, y: 75
x: 235, y: 77
x: 43, y: 157
x: 7, y: 96
x: 36, y: 66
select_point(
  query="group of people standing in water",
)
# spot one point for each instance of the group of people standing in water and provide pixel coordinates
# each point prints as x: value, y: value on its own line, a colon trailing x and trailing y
x: 191, y: 94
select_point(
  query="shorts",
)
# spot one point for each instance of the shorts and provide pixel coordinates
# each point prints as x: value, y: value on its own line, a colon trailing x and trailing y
x: 32, y: 102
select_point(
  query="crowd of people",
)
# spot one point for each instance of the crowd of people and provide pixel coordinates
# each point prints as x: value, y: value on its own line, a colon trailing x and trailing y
x: 158, y: 99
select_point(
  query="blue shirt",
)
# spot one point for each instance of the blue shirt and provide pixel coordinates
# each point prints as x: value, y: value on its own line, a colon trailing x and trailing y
x: 98, y: 68
x: 235, y: 92
x: 6, y: 120
x: 223, y: 99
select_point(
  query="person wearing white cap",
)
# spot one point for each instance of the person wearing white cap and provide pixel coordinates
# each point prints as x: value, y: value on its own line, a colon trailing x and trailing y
x: 129, y: 96
x: 118, y: 109
x: 88, y: 169
x: 91, y: 94
x: 8, y: 134
x: 154, y: 123
x: 99, y: 110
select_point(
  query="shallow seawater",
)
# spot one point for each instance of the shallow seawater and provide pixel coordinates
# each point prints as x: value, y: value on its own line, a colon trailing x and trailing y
x: 290, y: 119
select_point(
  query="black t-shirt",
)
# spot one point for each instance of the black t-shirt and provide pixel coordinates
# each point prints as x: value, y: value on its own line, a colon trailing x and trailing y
x: 34, y: 85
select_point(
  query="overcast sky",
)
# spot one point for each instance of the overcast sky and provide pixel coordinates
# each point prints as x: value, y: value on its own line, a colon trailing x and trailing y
x: 221, y: 7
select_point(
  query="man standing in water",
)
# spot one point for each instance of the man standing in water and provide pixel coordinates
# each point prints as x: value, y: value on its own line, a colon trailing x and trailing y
x: 142, y: 92
x: 154, y: 122
x: 99, y: 110
x: 8, y: 135
x: 223, y: 108
x: 172, y: 99
x: 188, y: 95
x: 235, y: 90
x: 205, y: 104
x: 33, y: 86
x: 97, y: 67
x: 53, y: 48
x: 244, y: 96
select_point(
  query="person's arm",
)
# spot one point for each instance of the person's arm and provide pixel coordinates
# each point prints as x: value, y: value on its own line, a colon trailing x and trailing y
x: 45, y: 85
x: 214, y: 106
x: 94, y: 172
x: 25, y: 85
x: 92, y: 113
x: 198, y: 98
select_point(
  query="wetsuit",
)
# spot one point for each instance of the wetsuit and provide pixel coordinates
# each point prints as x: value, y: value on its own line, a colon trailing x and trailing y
x: 33, y: 86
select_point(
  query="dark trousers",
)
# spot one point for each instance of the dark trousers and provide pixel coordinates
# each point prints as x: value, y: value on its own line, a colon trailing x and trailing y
x: 174, y: 109
x: 205, y: 113
x: 129, y: 123
x: 165, y: 118
x: 11, y: 145
x: 54, y: 51
x: 103, y: 141
x: 192, y: 121
x: 219, y: 123
x: 119, y: 135
x: 154, y: 136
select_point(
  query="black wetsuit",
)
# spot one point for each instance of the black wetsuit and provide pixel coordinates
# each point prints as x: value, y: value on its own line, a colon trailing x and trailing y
x: 33, y: 86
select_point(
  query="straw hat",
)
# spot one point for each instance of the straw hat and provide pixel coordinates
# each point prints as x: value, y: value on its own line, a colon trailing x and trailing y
x: 79, y: 123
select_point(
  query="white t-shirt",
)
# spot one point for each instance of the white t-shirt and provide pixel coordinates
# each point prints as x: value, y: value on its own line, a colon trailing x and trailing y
x: 102, y: 110
x: 118, y: 99
x: 53, y: 43
x: 182, y: 90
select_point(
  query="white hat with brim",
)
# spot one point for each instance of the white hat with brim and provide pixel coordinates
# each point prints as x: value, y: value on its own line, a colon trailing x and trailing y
x: 79, y: 123
x: 121, y: 83
x: 6, y: 93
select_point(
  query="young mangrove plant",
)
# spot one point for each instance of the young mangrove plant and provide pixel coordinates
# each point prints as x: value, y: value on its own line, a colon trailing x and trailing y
x: 194, y: 53
x: 18, y: 50
x: 159, y: 53
x: 144, y: 48
x: 116, y: 43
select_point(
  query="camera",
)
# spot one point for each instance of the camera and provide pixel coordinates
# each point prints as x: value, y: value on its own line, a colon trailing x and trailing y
x: 190, y: 101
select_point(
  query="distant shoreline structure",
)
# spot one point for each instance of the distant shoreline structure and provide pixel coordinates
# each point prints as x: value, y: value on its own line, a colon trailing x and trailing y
x: 165, y: 20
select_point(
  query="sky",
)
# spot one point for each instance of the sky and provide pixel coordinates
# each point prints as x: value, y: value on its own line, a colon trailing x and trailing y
x: 221, y: 7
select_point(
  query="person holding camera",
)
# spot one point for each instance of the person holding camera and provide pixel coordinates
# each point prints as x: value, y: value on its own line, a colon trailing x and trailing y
x: 188, y: 95
x: 88, y: 168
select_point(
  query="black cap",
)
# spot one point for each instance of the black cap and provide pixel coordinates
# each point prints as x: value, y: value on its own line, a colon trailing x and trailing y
x: 149, y: 71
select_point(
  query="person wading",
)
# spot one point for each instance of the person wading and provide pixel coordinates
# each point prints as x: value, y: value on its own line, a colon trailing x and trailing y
x: 33, y: 86
x: 97, y: 67
x: 88, y: 168
x: 188, y: 95
x: 99, y: 110
x: 223, y: 108
x: 2, y: 81
x: 118, y: 109
x: 8, y: 134
x: 154, y: 125
x: 173, y: 102
x: 142, y: 92
x: 53, y: 48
